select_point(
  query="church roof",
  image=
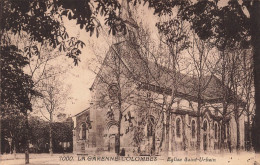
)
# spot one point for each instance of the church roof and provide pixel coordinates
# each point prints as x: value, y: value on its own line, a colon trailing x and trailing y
x: 152, y: 76
x: 159, y: 77
x: 85, y: 110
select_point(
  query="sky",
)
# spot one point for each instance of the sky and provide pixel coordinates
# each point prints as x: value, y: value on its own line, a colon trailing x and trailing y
x: 80, y: 78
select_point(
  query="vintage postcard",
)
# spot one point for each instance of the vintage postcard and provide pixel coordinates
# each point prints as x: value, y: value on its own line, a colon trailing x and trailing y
x: 129, y: 82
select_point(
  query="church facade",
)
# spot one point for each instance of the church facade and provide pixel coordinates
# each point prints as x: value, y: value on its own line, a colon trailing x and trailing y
x: 128, y: 110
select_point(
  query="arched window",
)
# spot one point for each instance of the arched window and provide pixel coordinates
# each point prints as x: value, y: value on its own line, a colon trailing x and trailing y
x: 216, y: 131
x: 226, y: 130
x: 113, y: 91
x: 205, y: 126
x: 83, y: 130
x: 150, y: 125
x: 193, y: 129
x: 178, y: 127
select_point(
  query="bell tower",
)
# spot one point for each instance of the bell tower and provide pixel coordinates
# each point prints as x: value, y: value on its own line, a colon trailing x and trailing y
x: 131, y: 25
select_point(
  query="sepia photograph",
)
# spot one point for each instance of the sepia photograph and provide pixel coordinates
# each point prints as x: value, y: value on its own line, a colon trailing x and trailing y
x: 172, y: 82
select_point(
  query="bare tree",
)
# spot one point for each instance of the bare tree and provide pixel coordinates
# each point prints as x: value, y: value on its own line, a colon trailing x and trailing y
x: 203, y: 71
x: 241, y: 86
x: 53, y: 100
x: 41, y: 56
x: 44, y: 72
x: 226, y: 73
x: 175, y: 36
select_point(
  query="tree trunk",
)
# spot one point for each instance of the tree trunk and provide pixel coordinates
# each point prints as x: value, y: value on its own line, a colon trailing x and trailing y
x: 10, y: 146
x: 163, y: 133
x: 167, y: 137
x: 51, y: 145
x: 238, y: 134
x: 198, y: 126
x: 14, y: 152
x: 255, y: 32
x: 249, y: 128
x: 119, y: 131
x: 222, y: 132
x: 26, y: 139
x: 198, y: 134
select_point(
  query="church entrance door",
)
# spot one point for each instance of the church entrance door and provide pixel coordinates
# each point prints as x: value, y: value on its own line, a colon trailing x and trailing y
x: 113, y: 139
x: 112, y: 143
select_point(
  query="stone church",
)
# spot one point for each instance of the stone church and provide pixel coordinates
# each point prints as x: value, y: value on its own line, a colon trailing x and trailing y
x: 127, y: 109
x: 96, y: 128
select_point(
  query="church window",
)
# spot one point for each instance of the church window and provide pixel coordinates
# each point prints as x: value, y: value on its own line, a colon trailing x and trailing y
x: 113, y: 91
x: 178, y: 127
x: 216, y: 131
x: 150, y: 129
x: 205, y: 126
x: 83, y: 130
x: 193, y: 129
